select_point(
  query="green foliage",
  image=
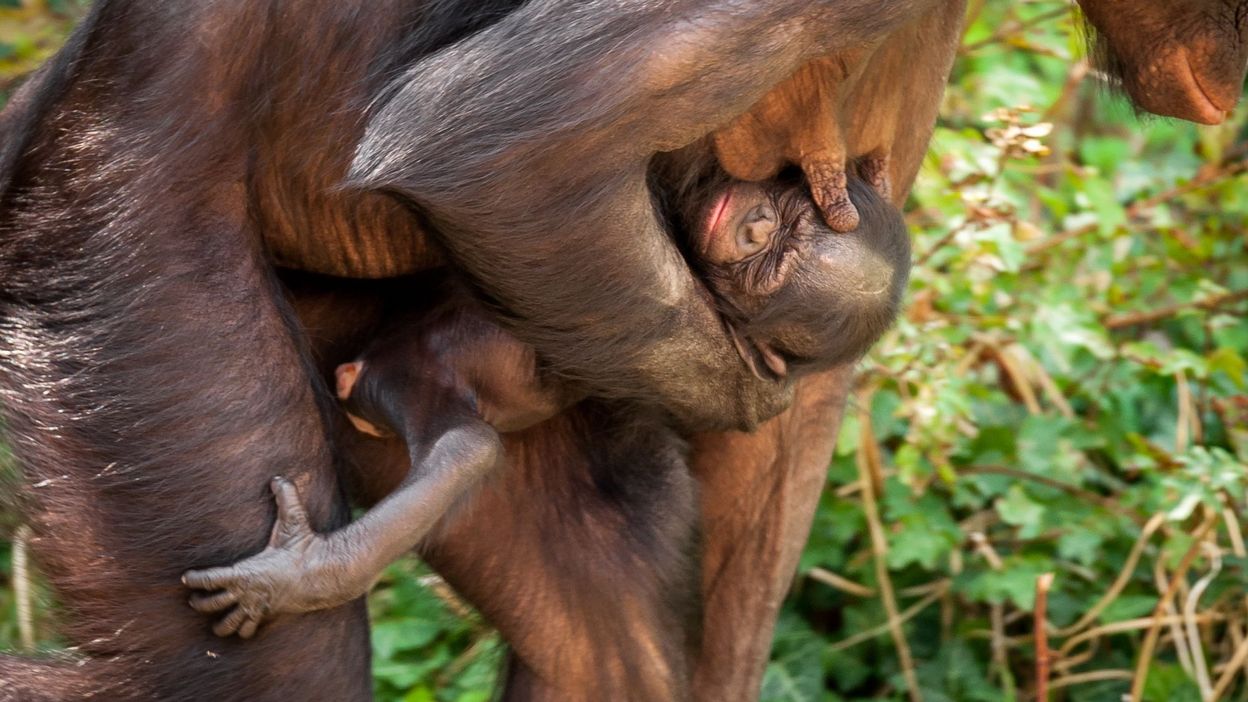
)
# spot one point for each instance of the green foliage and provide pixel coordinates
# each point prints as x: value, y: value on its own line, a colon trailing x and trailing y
x: 427, y: 646
x: 1071, y: 364
x: 1074, y: 361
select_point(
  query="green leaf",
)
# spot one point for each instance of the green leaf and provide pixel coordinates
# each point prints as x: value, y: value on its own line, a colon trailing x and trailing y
x: 1169, y: 683
x: 1126, y: 607
x: 1018, y: 509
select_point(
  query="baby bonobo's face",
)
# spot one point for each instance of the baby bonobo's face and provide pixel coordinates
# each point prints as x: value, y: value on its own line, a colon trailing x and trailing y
x: 740, y: 222
x: 795, y: 294
x: 747, y: 237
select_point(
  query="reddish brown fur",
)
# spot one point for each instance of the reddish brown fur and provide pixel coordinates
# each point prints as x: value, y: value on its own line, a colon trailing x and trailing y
x: 136, y: 131
x: 133, y: 180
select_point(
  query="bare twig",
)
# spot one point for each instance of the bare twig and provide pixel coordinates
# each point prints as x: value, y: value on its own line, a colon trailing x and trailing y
x: 1150, y: 640
x: 868, y: 453
x: 1064, y: 654
x: 1041, y: 626
x: 1193, y: 633
x: 1232, y: 166
x: 839, y: 582
x: 1124, y: 577
x: 1183, y: 425
x: 996, y: 613
x: 443, y: 591
x: 1175, y: 623
x: 1131, y: 319
x: 910, y: 613
x: 1091, y: 676
x: 1084, y: 495
x: 1014, y: 28
x: 1228, y: 673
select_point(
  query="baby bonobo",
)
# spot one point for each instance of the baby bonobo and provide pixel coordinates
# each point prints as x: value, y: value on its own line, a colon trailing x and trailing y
x: 448, y: 380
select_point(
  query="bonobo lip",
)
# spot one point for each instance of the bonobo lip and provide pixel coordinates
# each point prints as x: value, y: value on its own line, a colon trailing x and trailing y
x: 718, y: 210
x: 1208, y: 109
x: 1195, y: 102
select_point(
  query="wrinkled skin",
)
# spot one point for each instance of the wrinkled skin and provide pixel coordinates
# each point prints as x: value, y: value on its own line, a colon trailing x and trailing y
x: 1176, y: 59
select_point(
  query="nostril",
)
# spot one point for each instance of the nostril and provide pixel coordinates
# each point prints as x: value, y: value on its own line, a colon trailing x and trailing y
x: 759, y: 232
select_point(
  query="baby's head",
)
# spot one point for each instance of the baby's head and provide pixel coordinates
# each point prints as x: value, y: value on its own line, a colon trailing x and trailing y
x: 796, y: 295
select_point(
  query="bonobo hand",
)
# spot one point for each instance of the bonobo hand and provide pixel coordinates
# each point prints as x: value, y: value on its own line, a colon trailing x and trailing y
x: 298, y: 572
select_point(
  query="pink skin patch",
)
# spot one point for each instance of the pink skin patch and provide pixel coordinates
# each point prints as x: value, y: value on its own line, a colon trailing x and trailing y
x: 346, y: 375
x: 717, y: 214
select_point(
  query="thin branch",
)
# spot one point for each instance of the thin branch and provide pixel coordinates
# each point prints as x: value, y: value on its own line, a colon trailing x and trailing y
x: 1228, y: 673
x: 1085, y: 495
x: 838, y: 582
x: 910, y: 613
x: 1150, y: 640
x: 1090, y: 676
x: 1041, y: 628
x: 1014, y: 28
x: 1199, y: 664
x: 1124, y: 577
x: 868, y: 453
x: 1231, y: 166
x: 1064, y: 653
x: 1208, y: 304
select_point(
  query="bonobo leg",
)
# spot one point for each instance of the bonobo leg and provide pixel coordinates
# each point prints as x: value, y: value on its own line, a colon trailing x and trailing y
x: 580, y: 552
x: 759, y: 491
x: 758, y: 497
x: 151, y: 388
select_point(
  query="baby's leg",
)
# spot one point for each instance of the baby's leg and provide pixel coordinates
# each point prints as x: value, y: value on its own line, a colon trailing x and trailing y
x: 451, y: 450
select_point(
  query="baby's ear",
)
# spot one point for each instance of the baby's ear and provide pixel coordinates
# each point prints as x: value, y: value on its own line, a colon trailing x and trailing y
x: 757, y: 354
x: 773, y: 359
x: 346, y: 375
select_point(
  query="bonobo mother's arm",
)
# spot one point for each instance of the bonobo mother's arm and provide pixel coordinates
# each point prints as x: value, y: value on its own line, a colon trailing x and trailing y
x: 527, y: 146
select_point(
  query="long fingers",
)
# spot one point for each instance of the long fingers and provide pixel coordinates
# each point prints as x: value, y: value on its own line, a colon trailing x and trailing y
x: 231, y: 622
x: 290, y: 511
x: 210, y: 578
x: 248, y: 629
x: 216, y: 602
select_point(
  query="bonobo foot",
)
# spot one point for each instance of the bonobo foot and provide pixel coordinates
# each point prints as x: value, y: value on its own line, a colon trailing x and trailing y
x: 297, y: 572
x: 828, y: 182
x: 874, y: 170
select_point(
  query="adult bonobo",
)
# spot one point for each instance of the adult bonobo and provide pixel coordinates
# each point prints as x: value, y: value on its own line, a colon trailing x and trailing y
x: 153, y: 376
x: 146, y: 172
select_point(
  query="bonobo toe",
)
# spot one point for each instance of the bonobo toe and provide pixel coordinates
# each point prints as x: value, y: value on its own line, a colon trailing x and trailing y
x: 840, y: 213
x: 875, y: 171
x: 828, y: 183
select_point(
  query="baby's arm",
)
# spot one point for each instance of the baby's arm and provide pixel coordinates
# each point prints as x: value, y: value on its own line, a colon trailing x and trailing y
x: 451, y: 449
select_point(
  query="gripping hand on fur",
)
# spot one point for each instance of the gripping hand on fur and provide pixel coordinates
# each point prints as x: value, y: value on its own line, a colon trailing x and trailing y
x: 297, y: 572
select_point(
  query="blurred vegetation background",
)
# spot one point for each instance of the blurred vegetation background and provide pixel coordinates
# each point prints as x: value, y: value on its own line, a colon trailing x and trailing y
x: 1056, y: 432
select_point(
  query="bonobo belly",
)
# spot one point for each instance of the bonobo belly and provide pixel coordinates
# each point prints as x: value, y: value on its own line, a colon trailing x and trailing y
x: 356, y: 236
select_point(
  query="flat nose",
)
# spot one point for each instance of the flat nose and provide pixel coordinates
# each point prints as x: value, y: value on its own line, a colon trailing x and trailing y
x: 760, y: 224
x: 759, y: 232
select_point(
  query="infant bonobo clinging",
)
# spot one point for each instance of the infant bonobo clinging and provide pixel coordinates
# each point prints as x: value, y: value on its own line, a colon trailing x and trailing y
x: 447, y: 379
x: 794, y: 295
